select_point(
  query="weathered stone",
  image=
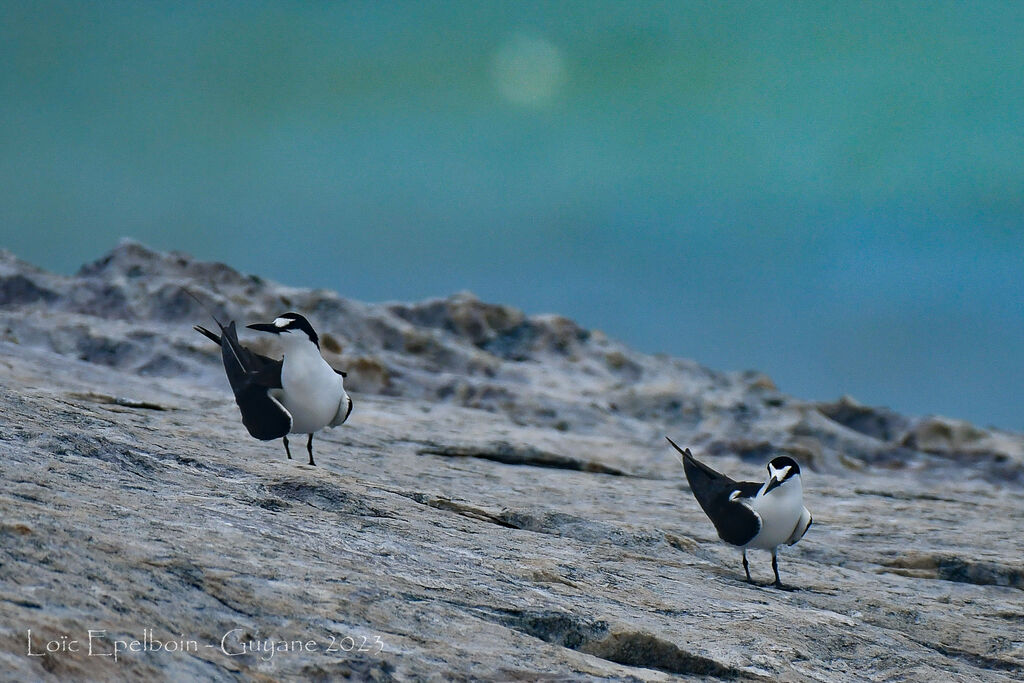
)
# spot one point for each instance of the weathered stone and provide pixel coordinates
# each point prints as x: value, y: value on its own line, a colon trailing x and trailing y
x: 878, y: 423
x: 501, y: 505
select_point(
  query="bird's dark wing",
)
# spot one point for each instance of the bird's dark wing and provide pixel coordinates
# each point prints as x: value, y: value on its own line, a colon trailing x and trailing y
x: 802, y: 525
x: 267, y: 370
x: 735, y: 522
x: 251, y: 377
x: 344, y: 410
x: 212, y: 336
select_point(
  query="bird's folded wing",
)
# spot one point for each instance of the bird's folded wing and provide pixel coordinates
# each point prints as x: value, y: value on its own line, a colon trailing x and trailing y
x: 735, y: 522
x: 344, y: 410
x: 801, y: 527
x: 262, y: 414
x: 269, y: 375
x: 251, y: 376
x: 721, y: 498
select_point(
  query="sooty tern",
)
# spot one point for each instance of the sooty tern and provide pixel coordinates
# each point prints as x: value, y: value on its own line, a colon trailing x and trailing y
x: 748, y: 514
x: 299, y: 394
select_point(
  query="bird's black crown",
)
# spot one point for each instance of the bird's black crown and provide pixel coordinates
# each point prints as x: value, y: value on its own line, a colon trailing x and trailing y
x: 300, y: 323
x: 784, y: 461
x: 291, y: 322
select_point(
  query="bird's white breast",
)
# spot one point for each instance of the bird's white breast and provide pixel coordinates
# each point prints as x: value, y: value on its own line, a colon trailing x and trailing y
x: 312, y: 391
x: 780, y: 511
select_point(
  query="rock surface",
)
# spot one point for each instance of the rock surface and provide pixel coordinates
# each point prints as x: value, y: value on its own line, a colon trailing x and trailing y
x: 501, y: 505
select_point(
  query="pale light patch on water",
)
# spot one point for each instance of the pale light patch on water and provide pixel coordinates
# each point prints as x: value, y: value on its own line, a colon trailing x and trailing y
x: 528, y: 70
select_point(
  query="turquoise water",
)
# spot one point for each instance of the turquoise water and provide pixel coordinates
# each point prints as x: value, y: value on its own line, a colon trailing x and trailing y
x: 831, y: 194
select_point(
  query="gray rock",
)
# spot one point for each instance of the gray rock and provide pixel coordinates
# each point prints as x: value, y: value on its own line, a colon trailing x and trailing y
x: 502, y: 504
x: 878, y: 423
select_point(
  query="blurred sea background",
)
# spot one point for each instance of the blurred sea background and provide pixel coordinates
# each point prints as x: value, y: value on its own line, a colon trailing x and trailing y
x: 831, y: 193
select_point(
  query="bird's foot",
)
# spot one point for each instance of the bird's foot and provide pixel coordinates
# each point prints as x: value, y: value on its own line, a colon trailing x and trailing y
x: 783, y: 587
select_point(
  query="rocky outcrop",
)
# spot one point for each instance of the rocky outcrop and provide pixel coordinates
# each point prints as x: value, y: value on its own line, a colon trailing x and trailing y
x: 502, y: 504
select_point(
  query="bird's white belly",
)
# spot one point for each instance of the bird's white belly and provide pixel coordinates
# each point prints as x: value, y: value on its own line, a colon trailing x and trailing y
x: 311, y: 394
x: 780, y: 511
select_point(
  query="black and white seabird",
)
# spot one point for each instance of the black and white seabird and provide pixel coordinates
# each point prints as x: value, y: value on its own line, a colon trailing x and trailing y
x: 299, y: 394
x: 748, y: 514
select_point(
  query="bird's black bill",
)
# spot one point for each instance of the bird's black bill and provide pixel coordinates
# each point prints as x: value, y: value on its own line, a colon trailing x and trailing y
x: 774, y: 483
x: 265, y: 327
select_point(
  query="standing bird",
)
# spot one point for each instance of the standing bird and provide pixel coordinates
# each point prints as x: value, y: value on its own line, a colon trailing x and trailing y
x: 299, y: 394
x: 748, y: 514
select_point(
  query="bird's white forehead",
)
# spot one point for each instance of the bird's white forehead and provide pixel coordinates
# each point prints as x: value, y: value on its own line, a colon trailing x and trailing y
x: 282, y: 322
x: 778, y: 475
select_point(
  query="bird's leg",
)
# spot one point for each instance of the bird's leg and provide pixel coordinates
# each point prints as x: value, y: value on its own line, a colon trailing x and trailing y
x: 309, y: 447
x: 286, y: 449
x: 775, y: 568
x: 746, y: 567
